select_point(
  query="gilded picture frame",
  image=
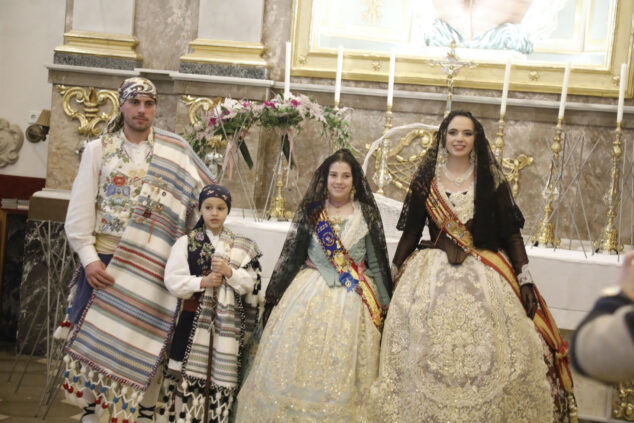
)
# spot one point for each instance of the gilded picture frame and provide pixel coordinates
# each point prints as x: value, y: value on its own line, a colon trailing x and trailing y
x: 310, y: 59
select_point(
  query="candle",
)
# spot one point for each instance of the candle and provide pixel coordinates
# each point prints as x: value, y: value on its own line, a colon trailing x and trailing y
x: 390, y: 81
x: 564, y: 92
x: 622, y: 85
x: 505, y: 89
x: 287, y: 71
x: 339, y: 70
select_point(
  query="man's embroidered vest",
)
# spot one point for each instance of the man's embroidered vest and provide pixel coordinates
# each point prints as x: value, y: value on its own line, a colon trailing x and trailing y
x: 120, y: 184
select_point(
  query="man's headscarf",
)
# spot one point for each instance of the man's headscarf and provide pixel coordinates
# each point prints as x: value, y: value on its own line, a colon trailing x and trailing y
x: 130, y: 88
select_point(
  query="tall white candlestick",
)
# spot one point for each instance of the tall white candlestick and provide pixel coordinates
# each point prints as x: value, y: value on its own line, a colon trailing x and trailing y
x: 339, y: 70
x: 390, y: 81
x: 287, y: 71
x: 622, y: 85
x: 505, y: 89
x: 564, y: 92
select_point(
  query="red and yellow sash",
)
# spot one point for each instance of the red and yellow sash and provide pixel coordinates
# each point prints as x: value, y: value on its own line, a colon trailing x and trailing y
x: 447, y: 222
x: 349, y: 274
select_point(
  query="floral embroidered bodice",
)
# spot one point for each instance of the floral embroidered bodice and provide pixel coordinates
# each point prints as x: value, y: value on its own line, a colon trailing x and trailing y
x: 120, y: 181
x: 461, y: 203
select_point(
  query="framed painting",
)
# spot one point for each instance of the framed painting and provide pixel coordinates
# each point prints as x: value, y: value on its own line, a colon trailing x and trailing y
x: 539, y: 36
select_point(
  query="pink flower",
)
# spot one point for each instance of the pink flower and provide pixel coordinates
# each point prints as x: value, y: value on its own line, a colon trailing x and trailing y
x: 246, y: 104
x: 270, y: 104
x: 212, y: 121
x: 295, y: 103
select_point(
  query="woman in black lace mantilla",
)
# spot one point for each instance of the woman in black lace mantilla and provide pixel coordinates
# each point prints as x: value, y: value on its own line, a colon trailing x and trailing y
x: 325, y: 303
x: 459, y: 342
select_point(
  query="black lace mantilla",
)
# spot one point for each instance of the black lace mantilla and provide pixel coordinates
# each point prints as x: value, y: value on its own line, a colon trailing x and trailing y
x: 496, y: 215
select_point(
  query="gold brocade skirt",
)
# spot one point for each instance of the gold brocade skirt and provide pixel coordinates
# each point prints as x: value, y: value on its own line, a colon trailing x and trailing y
x: 458, y: 347
x: 317, y: 358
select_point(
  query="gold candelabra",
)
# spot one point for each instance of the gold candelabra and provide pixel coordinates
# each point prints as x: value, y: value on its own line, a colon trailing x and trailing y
x: 546, y: 229
x: 498, y: 145
x: 382, y: 175
x: 278, y: 207
x: 623, y: 404
x: 609, y: 241
x: 512, y: 166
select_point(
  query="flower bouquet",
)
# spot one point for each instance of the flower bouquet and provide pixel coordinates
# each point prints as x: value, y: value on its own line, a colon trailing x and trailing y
x: 225, y: 124
x: 287, y: 114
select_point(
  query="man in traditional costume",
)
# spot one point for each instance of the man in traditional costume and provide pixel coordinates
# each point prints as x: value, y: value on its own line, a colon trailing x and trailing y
x: 134, y: 195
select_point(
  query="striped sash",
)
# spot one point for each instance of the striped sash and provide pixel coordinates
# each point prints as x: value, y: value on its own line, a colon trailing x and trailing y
x: 444, y: 218
x: 349, y: 274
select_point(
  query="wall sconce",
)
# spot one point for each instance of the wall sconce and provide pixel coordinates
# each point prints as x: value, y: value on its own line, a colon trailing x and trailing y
x: 39, y: 130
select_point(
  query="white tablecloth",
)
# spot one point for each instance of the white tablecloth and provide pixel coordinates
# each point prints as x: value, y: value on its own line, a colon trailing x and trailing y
x: 569, y: 282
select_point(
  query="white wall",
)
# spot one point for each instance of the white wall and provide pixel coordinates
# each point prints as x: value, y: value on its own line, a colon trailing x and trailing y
x: 109, y: 16
x: 29, y: 31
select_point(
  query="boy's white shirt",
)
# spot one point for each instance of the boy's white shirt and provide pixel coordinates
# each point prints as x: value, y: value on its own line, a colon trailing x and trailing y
x: 182, y: 284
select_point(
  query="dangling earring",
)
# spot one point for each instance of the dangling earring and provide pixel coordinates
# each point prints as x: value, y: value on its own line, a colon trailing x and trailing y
x: 442, y: 155
x: 472, y: 157
x: 352, y: 192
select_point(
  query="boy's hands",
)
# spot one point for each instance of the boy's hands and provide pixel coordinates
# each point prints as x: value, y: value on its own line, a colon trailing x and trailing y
x: 221, y: 266
x: 220, y: 271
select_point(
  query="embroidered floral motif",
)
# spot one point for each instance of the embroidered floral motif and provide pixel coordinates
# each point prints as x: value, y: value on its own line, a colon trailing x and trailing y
x: 120, y: 184
x: 199, y: 245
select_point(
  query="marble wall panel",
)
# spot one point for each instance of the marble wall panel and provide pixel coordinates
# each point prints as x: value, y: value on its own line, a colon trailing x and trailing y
x: 276, y: 31
x: 48, y: 267
x: 63, y: 140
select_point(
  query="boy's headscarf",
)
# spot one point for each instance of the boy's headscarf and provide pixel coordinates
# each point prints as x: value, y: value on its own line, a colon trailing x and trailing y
x: 216, y: 191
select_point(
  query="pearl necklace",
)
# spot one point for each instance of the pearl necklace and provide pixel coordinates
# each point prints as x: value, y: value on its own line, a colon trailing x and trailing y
x: 457, y: 180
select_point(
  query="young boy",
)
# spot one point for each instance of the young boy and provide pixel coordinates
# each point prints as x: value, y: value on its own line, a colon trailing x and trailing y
x: 217, y: 273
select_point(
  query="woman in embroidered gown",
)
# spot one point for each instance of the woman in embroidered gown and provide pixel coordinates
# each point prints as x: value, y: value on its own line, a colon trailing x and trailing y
x: 457, y: 344
x: 319, y: 351
x: 217, y: 272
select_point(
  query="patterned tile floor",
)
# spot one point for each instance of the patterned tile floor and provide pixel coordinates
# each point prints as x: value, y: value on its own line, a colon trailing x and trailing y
x: 21, y: 406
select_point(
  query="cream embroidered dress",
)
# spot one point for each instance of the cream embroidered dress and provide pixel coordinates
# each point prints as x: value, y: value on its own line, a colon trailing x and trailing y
x: 319, y: 352
x: 457, y: 345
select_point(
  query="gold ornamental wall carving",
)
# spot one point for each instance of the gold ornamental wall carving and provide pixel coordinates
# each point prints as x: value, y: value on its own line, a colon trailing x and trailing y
x: 91, y: 102
x: 198, y: 106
